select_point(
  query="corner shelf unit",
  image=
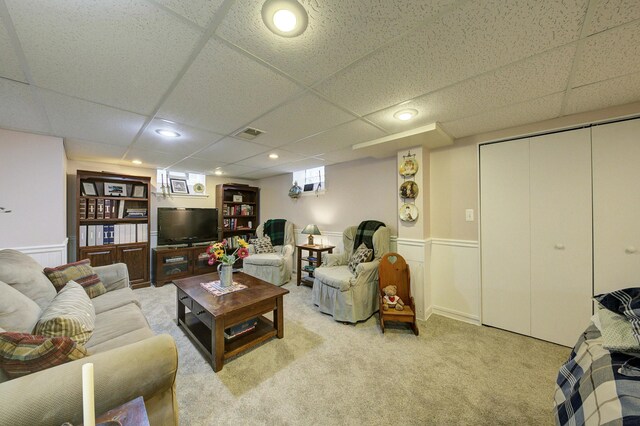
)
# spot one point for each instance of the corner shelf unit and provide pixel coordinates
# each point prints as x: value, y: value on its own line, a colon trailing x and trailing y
x: 110, y: 228
x: 239, y: 217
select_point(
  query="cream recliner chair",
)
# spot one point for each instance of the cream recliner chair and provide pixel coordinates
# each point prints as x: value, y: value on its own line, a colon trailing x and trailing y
x: 346, y: 296
x: 272, y: 267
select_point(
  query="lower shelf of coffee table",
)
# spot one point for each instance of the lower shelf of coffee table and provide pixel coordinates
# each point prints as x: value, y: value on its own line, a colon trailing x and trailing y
x: 201, y: 335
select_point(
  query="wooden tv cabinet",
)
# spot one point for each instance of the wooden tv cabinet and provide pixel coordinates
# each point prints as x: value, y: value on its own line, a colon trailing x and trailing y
x: 171, y: 263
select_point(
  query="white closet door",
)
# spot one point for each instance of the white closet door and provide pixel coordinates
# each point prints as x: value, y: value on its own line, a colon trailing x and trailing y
x: 561, y: 259
x: 504, y: 200
x: 616, y: 205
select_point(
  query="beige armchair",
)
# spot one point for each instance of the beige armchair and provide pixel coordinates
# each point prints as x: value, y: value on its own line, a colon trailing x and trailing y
x: 346, y: 296
x: 272, y: 267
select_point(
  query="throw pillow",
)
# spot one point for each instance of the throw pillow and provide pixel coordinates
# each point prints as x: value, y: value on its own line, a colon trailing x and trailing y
x: 22, y: 353
x: 70, y: 314
x: 624, y: 302
x: 17, y: 312
x: 362, y: 254
x: 80, y: 272
x: 262, y: 245
x: 617, y: 332
x: 25, y: 275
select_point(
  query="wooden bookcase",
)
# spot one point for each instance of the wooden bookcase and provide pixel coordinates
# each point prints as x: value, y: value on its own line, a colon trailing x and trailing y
x: 112, y: 221
x: 238, y: 210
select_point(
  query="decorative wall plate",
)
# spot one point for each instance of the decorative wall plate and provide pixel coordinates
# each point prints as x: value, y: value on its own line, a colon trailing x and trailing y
x: 408, y: 212
x: 409, y: 189
x: 409, y: 166
x: 198, y: 188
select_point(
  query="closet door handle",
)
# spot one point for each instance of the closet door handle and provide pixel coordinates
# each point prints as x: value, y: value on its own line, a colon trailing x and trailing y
x: 559, y: 246
x: 631, y: 250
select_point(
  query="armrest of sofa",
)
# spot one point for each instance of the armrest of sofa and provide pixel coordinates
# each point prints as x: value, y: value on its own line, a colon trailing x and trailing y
x: 367, y: 272
x: 53, y: 396
x: 286, y: 250
x: 338, y: 259
x: 114, y: 276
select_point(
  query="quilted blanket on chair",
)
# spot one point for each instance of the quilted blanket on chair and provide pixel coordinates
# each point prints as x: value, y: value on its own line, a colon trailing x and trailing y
x: 274, y: 228
x: 365, y: 232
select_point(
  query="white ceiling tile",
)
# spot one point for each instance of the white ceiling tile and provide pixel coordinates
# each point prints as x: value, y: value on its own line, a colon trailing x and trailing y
x: 510, y: 116
x: 197, y: 165
x: 531, y: 78
x: 9, y: 65
x: 611, y: 13
x: 151, y: 158
x: 617, y: 91
x: 321, y: 50
x: 77, y: 149
x: 477, y: 37
x: 222, y: 90
x: 198, y: 11
x: 190, y: 140
x: 342, y: 155
x: 294, y: 166
x: 263, y: 161
x: 609, y: 54
x: 337, y: 138
x: 231, y: 150
x: 234, y: 170
x: 297, y: 119
x: 78, y: 119
x: 20, y: 108
x: 261, y: 174
x: 114, y: 53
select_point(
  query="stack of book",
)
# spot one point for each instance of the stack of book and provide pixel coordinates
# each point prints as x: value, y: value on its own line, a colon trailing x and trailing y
x: 241, y: 329
x: 141, y: 212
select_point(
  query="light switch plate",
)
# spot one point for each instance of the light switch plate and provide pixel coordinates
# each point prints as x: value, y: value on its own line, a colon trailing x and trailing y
x: 468, y: 213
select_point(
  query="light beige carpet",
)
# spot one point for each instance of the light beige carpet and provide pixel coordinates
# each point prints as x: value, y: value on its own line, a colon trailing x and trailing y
x: 327, y: 373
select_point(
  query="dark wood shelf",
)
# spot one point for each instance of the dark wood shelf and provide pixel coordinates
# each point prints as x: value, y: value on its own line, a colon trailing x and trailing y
x: 110, y: 197
x: 264, y: 330
x: 238, y: 215
x: 224, y: 197
x: 117, y: 220
x: 240, y: 202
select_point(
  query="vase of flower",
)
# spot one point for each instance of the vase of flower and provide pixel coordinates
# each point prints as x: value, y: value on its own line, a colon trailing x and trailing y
x: 217, y: 253
x: 225, y: 272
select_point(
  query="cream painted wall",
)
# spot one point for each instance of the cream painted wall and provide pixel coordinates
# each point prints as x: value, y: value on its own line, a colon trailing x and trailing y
x: 356, y: 191
x: 33, y: 187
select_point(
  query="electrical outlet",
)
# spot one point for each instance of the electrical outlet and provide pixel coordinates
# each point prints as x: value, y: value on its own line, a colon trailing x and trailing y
x: 468, y: 213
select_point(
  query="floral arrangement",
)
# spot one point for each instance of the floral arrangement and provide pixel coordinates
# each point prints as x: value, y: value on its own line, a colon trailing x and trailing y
x: 217, y: 252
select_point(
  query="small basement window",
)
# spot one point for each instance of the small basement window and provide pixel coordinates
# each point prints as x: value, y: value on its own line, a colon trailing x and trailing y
x: 310, y: 180
x: 196, y: 182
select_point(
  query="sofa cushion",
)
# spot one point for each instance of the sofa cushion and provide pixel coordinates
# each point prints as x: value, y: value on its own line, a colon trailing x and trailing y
x: 25, y: 275
x: 17, y: 312
x: 114, y: 299
x: 264, y: 259
x: 117, y: 322
x: 80, y: 272
x: 123, y: 340
x: 362, y: 254
x: 23, y: 353
x: 70, y: 314
x: 339, y: 277
x: 262, y: 245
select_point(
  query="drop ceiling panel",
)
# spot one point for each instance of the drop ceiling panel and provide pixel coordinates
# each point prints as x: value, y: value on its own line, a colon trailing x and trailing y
x: 261, y: 174
x: 197, y: 11
x: 343, y: 136
x: 531, y: 78
x: 321, y: 50
x: 114, y: 53
x: 234, y: 170
x: 231, y: 150
x: 609, y: 54
x: 77, y: 149
x: 611, y: 13
x: 297, y: 119
x: 294, y: 166
x: 191, y: 139
x: 617, y: 91
x: 263, y: 161
x: 153, y: 159
x: 223, y: 90
x: 197, y: 165
x: 78, y: 119
x: 477, y: 37
x: 343, y: 155
x: 9, y: 65
x: 510, y: 116
x: 20, y: 108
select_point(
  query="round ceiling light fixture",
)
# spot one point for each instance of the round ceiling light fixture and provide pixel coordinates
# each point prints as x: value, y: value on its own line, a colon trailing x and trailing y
x: 168, y: 133
x: 273, y: 156
x: 138, y: 162
x: 286, y: 18
x: 406, y: 114
x: 218, y: 172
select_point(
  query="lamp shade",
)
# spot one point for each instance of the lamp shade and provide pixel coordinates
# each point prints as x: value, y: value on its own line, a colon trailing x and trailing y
x: 311, y: 229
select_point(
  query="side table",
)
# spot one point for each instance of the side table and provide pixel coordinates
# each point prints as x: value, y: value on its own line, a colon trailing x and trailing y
x: 313, y: 260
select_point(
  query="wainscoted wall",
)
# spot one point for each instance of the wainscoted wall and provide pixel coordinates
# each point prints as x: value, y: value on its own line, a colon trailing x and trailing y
x: 47, y: 256
x: 415, y: 252
x: 455, y: 276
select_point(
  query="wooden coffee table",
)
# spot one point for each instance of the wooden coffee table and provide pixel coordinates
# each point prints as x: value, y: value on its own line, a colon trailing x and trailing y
x: 210, y: 315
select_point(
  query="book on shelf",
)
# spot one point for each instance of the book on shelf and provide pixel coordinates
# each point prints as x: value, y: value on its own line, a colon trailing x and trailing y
x: 100, y: 208
x: 240, y: 329
x: 83, y: 208
x: 120, y: 209
x: 91, y: 208
x: 107, y: 209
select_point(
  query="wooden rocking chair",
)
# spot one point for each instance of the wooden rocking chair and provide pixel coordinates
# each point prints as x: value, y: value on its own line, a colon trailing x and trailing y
x: 393, y: 270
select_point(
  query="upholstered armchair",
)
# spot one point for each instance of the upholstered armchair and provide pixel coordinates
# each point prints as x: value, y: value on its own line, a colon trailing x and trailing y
x: 348, y: 296
x: 272, y: 267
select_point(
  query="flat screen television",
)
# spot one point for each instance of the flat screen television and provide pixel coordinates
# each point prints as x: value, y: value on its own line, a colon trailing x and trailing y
x: 178, y: 225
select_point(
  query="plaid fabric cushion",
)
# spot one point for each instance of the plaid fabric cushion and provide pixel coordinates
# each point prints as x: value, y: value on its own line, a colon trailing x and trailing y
x: 617, y: 332
x: 624, y: 302
x: 362, y: 254
x: 22, y: 353
x: 69, y: 314
x: 262, y: 245
x: 80, y: 272
x: 274, y: 228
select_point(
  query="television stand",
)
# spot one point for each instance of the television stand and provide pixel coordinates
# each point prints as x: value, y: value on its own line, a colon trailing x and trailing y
x: 170, y: 263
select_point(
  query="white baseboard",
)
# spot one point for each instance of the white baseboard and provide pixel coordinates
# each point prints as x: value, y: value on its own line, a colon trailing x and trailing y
x: 456, y: 315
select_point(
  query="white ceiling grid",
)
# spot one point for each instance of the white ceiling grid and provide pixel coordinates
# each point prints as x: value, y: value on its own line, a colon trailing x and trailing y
x: 105, y: 74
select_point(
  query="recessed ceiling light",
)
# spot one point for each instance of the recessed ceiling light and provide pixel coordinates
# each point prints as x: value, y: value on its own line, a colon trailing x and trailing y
x: 286, y: 18
x: 218, y: 172
x: 168, y: 133
x: 405, y: 114
x: 273, y: 156
x: 136, y: 162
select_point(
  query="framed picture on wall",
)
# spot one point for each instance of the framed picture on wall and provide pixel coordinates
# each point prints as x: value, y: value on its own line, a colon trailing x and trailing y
x: 179, y: 186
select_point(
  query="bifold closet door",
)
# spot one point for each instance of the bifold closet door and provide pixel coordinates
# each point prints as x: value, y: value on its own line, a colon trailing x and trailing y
x: 561, y: 245
x: 616, y: 205
x: 504, y: 204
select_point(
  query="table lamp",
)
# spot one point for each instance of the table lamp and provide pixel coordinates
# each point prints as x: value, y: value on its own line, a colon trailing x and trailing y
x: 311, y: 230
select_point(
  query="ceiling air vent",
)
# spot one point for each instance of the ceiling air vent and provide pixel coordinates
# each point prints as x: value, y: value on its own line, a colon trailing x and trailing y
x: 248, y: 134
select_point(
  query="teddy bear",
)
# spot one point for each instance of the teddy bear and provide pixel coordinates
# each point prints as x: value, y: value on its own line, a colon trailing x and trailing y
x: 390, y: 299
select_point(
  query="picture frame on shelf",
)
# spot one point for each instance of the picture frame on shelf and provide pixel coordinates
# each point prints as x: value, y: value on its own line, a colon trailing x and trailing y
x: 89, y: 189
x: 237, y: 198
x: 138, y: 191
x: 113, y: 189
x: 178, y: 186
